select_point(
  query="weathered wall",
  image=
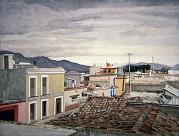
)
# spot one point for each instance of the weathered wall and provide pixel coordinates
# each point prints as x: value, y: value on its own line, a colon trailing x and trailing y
x: 68, y: 93
x: 13, y: 84
x: 75, y: 76
x: 120, y: 86
x: 1, y: 62
x: 174, y: 84
x: 147, y: 87
x: 72, y: 92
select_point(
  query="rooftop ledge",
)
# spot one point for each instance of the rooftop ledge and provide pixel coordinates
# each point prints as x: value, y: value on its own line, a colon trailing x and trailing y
x: 45, y: 70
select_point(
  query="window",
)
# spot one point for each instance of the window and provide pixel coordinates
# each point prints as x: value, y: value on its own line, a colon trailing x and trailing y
x: 74, y: 98
x: 44, y: 85
x: 44, y: 108
x: 32, y: 86
x: 84, y: 95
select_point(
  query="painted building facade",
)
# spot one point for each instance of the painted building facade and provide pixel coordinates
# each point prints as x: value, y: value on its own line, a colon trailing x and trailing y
x: 39, y: 90
x: 44, y: 93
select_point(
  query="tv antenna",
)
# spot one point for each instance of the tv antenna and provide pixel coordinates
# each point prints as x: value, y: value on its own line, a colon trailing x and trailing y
x: 129, y: 56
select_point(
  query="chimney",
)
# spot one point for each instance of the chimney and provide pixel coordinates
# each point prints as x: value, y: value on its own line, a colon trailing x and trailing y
x: 35, y: 63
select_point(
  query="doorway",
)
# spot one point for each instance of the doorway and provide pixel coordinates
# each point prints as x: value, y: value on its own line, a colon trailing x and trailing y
x: 7, y: 115
x: 58, y: 105
x: 32, y: 111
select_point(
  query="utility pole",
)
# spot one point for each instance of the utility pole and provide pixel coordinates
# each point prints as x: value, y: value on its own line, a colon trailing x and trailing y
x: 152, y: 64
x: 129, y: 55
x: 0, y: 45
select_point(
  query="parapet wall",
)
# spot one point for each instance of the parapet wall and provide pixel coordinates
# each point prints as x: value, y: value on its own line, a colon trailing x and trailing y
x: 156, y: 88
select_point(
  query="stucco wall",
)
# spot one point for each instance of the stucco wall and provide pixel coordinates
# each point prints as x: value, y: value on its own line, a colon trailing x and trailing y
x: 147, y: 87
x: 120, y: 86
x: 21, y: 112
x: 12, y: 84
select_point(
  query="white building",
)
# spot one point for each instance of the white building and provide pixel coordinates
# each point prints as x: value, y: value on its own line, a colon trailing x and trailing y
x: 7, y: 61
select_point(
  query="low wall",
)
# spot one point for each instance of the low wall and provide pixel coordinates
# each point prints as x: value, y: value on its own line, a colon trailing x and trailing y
x: 174, y: 84
x: 155, y: 88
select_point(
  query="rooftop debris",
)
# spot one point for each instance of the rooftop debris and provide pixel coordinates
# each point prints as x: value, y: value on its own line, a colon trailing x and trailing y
x: 112, y: 113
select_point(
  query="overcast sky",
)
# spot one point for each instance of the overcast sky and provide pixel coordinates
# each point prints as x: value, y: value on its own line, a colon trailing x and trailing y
x: 92, y: 31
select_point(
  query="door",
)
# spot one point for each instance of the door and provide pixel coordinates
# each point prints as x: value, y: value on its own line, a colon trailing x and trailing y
x: 44, y: 108
x: 32, y: 111
x: 58, y: 105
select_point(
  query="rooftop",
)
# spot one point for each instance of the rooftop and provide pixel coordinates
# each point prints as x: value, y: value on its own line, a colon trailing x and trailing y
x: 114, y: 114
x: 4, y: 101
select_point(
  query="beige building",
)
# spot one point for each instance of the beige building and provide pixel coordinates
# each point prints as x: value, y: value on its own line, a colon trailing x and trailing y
x: 120, y: 85
x: 44, y: 93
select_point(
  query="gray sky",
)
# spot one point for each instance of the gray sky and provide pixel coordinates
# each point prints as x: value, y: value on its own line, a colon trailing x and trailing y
x: 92, y: 31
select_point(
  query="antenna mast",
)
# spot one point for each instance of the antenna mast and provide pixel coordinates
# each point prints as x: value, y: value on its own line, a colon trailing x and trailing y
x: 0, y: 45
x: 152, y: 64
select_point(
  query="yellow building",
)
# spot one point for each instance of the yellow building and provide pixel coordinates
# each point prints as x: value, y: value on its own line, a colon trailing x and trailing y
x: 120, y: 85
x: 44, y: 93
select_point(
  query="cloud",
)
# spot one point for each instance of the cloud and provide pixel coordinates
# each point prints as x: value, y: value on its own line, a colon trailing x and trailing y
x: 99, y: 28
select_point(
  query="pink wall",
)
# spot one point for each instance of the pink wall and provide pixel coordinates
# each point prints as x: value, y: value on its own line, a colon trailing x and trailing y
x: 21, y: 112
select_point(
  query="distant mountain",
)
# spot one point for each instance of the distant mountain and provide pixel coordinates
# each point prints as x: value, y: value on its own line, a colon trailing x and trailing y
x: 156, y: 66
x: 176, y: 67
x: 45, y: 62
